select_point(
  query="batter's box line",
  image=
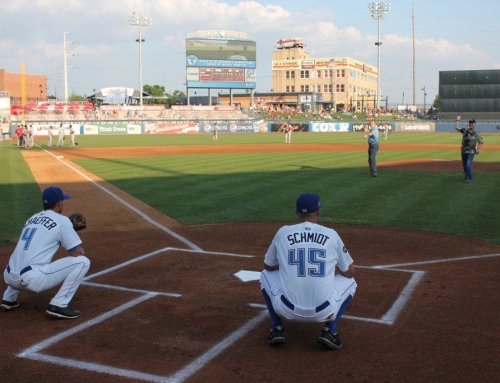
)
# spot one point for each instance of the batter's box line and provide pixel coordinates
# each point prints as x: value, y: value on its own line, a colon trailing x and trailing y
x: 34, y: 352
x: 391, y: 315
x: 160, y: 251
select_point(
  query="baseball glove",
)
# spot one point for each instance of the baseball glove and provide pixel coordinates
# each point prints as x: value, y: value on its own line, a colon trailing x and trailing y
x: 78, y: 220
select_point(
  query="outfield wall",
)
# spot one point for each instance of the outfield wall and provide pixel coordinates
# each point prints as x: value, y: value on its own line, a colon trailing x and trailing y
x: 98, y: 127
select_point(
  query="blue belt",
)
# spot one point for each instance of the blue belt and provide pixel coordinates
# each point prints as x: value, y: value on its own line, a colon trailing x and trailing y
x: 291, y: 306
x: 25, y: 270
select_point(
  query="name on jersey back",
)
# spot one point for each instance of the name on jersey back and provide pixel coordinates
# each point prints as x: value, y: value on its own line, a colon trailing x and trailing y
x: 307, y: 237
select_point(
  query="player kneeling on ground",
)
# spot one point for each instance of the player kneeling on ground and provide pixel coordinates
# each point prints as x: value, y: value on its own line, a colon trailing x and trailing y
x: 299, y: 281
x: 30, y: 266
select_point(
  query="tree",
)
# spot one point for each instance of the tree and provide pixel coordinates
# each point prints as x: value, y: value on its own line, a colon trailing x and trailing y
x: 175, y: 98
x: 436, y: 102
x: 76, y: 97
x: 154, y: 90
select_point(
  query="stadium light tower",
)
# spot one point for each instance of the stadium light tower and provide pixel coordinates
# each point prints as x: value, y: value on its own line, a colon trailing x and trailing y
x: 66, y: 65
x: 378, y: 11
x: 142, y: 21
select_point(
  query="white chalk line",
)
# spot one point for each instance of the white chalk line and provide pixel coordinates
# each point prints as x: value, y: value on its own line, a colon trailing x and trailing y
x: 133, y: 208
x: 206, y: 357
x: 120, y: 288
x: 435, y: 261
x: 52, y: 340
x: 156, y: 252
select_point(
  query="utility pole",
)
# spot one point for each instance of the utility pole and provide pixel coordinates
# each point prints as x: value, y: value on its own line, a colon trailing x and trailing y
x: 414, y: 73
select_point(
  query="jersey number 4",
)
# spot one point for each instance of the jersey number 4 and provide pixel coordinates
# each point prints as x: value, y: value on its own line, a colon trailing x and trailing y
x: 312, y: 264
x: 27, y: 236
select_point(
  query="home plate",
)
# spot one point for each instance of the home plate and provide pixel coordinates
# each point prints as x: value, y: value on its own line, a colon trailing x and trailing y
x: 247, y: 276
x: 59, y: 156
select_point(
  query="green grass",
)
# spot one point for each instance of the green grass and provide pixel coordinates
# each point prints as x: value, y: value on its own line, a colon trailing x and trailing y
x: 20, y: 195
x: 198, y: 189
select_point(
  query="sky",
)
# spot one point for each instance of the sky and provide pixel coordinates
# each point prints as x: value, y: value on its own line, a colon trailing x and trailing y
x: 102, y: 50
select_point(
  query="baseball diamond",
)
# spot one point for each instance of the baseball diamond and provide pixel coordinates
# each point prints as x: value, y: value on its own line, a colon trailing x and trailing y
x: 161, y: 302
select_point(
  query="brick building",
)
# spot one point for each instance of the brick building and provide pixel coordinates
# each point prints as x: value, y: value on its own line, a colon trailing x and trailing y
x: 343, y: 82
x: 35, y: 86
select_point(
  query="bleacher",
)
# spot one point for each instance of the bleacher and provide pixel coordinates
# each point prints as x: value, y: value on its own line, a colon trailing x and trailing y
x: 85, y: 111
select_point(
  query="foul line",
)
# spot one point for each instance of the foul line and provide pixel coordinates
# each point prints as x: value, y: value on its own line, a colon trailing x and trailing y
x: 436, y: 261
x: 133, y: 208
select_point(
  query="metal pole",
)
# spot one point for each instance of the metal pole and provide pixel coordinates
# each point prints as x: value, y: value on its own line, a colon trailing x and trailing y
x: 378, y: 11
x: 414, y: 70
x: 65, y: 69
x: 142, y: 21
x: 425, y: 101
x: 140, y: 63
x: 378, y: 64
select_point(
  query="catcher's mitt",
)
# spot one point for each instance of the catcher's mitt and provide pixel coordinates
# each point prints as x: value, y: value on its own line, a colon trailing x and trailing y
x: 78, y: 220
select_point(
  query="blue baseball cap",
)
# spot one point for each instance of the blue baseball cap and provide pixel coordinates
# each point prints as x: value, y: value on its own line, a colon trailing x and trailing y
x: 53, y: 195
x: 308, y: 203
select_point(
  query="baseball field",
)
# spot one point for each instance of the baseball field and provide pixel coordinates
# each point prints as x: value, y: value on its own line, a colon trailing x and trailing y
x: 172, y: 219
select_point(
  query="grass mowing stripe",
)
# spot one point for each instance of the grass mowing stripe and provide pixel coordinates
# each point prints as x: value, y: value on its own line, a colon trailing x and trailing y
x: 19, y: 193
x: 200, y: 189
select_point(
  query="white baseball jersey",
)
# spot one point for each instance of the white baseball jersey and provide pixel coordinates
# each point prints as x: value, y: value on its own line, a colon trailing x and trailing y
x: 307, y: 254
x: 41, y: 237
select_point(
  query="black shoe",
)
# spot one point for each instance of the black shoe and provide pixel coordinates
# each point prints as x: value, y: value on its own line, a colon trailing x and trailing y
x: 63, y: 312
x: 6, y: 305
x: 330, y: 339
x: 276, y: 337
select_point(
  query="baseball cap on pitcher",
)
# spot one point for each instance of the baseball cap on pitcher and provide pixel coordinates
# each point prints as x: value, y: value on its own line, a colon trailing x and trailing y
x: 472, y: 121
x: 307, y: 203
x: 53, y: 195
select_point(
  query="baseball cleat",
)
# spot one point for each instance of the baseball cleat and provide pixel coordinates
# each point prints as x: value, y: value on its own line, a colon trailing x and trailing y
x: 329, y: 339
x: 276, y: 337
x: 6, y: 305
x: 63, y: 312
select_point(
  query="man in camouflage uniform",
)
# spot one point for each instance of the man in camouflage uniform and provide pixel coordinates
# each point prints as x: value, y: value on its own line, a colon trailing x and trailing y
x: 471, y: 144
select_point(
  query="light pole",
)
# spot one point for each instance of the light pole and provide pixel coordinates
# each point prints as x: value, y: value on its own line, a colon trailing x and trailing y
x: 425, y: 101
x: 66, y: 66
x: 378, y: 11
x: 141, y: 21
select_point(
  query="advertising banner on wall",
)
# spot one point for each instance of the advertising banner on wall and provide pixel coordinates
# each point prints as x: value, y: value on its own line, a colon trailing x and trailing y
x: 171, y: 128
x: 415, y: 127
x: 296, y: 126
x: 325, y: 127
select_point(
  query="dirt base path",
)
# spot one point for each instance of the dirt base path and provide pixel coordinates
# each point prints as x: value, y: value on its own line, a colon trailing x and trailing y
x: 423, y: 311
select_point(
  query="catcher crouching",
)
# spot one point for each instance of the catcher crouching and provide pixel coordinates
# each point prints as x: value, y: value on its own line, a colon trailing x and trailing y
x: 30, y: 266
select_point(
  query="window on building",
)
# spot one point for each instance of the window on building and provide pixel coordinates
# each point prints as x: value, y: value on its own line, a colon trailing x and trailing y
x: 340, y: 88
x: 304, y: 88
x: 287, y: 89
x: 304, y: 74
x: 340, y: 72
x: 327, y: 88
x: 328, y: 73
x: 292, y: 88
